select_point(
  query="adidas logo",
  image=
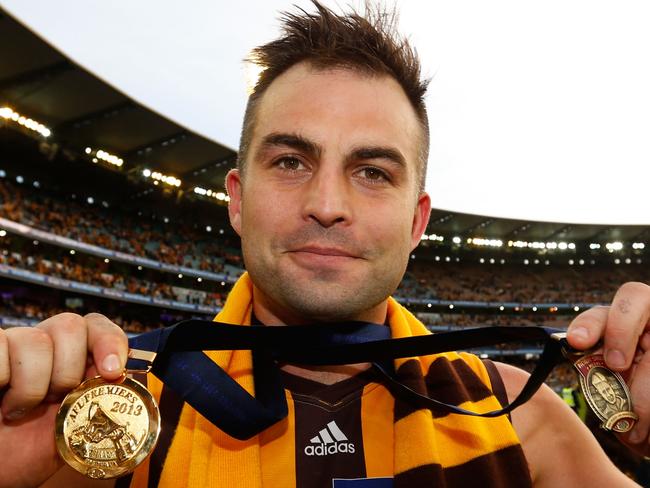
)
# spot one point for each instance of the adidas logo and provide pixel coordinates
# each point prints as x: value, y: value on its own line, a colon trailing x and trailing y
x: 330, y: 440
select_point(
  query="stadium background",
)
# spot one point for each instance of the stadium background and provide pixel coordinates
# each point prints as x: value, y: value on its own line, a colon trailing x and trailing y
x: 107, y: 206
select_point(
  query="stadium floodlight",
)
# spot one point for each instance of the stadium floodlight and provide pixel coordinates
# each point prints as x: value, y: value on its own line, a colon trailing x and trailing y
x: 218, y: 195
x: 456, y: 240
x: 480, y: 241
x: 638, y: 245
x: 594, y: 245
x: 9, y: 114
x: 158, y: 177
x: 107, y: 157
x: 614, y: 246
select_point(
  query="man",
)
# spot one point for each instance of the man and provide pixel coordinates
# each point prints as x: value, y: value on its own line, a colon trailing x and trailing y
x: 608, y: 399
x: 328, y: 200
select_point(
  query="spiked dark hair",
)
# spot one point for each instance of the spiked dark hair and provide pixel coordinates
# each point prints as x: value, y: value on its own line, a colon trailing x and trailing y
x: 366, y: 43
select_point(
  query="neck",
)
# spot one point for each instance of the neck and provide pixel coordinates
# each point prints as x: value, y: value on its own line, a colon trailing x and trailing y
x: 275, y: 316
x: 271, y: 313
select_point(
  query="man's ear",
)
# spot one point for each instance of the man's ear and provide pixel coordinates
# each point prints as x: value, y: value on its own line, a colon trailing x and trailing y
x: 233, y: 186
x: 420, y: 218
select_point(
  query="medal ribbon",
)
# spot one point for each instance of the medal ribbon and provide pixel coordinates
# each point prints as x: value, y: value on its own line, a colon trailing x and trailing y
x: 182, y: 366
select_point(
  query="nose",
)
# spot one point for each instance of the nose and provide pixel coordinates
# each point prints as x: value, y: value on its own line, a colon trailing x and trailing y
x: 327, y: 198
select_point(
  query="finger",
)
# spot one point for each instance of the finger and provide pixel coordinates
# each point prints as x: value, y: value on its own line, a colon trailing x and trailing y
x: 628, y: 317
x: 587, y: 328
x: 4, y: 359
x: 69, y: 335
x: 639, y: 386
x: 108, y: 345
x: 30, y: 362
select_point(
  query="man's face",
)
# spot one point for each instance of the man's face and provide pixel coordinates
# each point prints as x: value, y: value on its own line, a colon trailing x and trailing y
x: 606, y: 391
x: 328, y: 208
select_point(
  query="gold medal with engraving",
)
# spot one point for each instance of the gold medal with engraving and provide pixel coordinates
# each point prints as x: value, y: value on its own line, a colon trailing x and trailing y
x: 106, y: 429
x: 606, y: 393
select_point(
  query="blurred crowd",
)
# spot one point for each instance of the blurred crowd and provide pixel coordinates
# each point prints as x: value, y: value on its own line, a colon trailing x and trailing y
x: 70, y: 269
x: 40, y: 311
x: 179, y: 244
x: 520, y: 284
x: 477, y: 320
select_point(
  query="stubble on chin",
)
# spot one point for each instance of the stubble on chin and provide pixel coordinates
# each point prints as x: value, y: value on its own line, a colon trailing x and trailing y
x: 321, y: 295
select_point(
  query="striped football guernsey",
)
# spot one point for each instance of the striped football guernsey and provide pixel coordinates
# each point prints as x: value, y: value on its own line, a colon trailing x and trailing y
x: 352, y: 434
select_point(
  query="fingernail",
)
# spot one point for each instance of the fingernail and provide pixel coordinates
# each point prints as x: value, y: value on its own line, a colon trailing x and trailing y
x: 111, y: 363
x: 580, y: 333
x: 615, y: 358
x: 16, y: 414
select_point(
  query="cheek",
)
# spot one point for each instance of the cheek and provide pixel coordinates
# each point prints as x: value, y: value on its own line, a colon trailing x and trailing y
x: 390, y: 228
x: 264, y: 213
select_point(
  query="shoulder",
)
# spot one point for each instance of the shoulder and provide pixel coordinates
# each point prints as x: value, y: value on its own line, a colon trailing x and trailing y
x: 560, y: 450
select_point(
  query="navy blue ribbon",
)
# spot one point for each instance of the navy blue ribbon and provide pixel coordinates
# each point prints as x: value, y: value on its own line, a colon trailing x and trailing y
x: 182, y: 365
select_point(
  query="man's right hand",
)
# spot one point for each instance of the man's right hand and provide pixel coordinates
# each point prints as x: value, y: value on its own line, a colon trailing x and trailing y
x: 38, y: 367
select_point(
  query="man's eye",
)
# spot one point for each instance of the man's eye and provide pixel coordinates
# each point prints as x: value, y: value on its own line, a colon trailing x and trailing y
x: 374, y: 174
x: 291, y: 164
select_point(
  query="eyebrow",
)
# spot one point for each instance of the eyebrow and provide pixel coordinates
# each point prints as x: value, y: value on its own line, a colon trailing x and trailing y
x: 379, y: 152
x: 294, y: 141
x: 315, y: 150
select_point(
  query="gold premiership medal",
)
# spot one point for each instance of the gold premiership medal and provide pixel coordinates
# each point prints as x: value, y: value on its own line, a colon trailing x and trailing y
x: 606, y: 393
x: 105, y: 429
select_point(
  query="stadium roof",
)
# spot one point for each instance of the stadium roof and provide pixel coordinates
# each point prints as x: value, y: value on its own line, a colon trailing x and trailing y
x: 452, y: 224
x: 84, y: 111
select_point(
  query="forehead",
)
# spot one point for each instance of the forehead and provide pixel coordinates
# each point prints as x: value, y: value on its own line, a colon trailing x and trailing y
x: 339, y: 108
